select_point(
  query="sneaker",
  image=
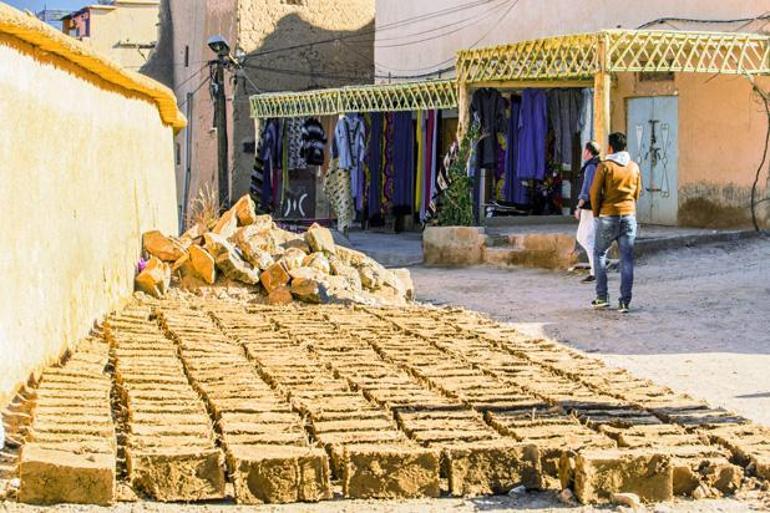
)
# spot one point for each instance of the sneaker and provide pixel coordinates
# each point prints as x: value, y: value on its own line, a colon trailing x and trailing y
x: 588, y: 279
x: 599, y: 303
x: 624, y: 307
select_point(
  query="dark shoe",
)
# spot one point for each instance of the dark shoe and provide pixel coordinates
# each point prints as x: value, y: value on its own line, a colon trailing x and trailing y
x: 624, y: 307
x: 600, y: 303
x: 588, y: 279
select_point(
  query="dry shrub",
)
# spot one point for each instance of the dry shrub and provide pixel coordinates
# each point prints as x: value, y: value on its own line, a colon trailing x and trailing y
x: 204, y: 209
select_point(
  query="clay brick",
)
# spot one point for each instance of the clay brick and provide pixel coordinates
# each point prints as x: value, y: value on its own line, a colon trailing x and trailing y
x: 178, y: 473
x: 491, y: 467
x: 390, y: 472
x: 599, y: 474
x: 270, y: 474
x: 274, y: 277
x: 50, y: 476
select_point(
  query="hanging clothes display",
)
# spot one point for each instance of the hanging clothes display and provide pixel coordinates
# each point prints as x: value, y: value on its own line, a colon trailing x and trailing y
x: 294, y: 143
x: 349, y: 148
x: 419, y: 189
x: 564, y: 115
x: 374, y: 164
x: 402, y: 153
x: 488, y: 105
x: 313, y: 138
x: 511, y: 153
x: 432, y: 123
x: 337, y: 189
x: 267, y: 164
x: 533, y: 128
x: 586, y: 118
x: 388, y: 164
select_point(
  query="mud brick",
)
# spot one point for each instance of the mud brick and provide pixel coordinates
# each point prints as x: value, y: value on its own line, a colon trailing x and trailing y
x: 50, y: 476
x: 269, y: 474
x: 274, y: 277
x: 178, y: 473
x: 491, y: 467
x: 390, y: 472
x: 599, y: 474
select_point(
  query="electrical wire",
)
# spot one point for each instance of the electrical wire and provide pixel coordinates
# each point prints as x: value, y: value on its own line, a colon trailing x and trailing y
x: 296, y: 72
x: 191, y: 94
x: 704, y: 21
x: 195, y: 74
x: 383, y: 28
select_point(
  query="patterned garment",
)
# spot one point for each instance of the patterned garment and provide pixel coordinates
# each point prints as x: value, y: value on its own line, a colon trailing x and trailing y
x: 337, y: 190
x: 388, y: 168
x: 294, y: 141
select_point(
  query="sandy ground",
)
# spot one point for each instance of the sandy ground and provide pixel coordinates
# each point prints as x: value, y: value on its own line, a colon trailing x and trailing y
x: 700, y: 320
x: 700, y: 325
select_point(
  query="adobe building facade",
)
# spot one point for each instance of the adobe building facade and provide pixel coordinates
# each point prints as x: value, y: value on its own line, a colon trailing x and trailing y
x: 708, y: 130
x: 285, y: 45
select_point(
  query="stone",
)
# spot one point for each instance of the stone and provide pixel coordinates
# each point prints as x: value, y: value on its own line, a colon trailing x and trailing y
x: 154, y: 279
x: 279, y: 474
x: 371, y: 277
x: 600, y: 473
x: 194, y: 232
x: 320, y: 239
x: 203, y: 264
x: 293, y: 258
x: 280, y: 296
x: 254, y: 252
x: 723, y: 475
x: 177, y: 473
x: 50, y: 476
x: 306, y: 273
x: 216, y: 244
x: 379, y: 471
x: 405, y: 277
x: 317, y: 261
x: 351, y: 256
x: 453, y: 245
x: 273, y: 277
x: 350, y: 273
x: 309, y: 290
x: 629, y: 500
x: 165, y: 248
x: 235, y: 268
x: 245, y: 211
x: 483, y: 468
x: 226, y: 225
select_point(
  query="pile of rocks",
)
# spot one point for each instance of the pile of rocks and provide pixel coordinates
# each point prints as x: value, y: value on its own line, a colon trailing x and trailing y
x: 249, y: 249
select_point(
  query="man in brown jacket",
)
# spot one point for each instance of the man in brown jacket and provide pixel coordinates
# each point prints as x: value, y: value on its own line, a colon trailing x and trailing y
x: 614, y: 193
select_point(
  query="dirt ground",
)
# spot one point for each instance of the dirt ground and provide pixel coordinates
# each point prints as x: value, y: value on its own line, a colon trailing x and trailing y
x: 699, y: 322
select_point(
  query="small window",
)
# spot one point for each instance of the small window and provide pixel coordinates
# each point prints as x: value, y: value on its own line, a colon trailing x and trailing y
x: 178, y: 154
x: 186, y: 56
x: 294, y: 2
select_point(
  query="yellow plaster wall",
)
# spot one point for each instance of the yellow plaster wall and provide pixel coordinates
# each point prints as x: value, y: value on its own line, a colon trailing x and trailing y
x: 722, y: 126
x: 134, y: 22
x: 86, y: 167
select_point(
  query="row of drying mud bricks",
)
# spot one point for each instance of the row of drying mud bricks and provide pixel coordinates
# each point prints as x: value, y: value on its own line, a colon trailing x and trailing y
x: 688, y: 433
x: 70, y: 451
x: 269, y: 458
x: 369, y: 454
x: 170, y: 447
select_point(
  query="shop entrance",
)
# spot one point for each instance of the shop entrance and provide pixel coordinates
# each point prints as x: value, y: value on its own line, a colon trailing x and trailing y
x: 654, y: 144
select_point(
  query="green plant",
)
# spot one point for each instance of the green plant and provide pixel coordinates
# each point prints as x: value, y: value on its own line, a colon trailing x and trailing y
x: 456, y: 202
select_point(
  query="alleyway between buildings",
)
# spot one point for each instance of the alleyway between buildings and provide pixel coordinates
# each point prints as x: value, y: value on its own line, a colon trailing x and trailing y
x: 699, y: 325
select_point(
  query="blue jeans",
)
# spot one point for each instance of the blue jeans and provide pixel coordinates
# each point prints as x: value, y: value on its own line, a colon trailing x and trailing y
x: 608, y: 230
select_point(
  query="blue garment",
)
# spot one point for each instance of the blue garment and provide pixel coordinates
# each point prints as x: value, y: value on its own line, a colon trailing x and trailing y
x: 608, y: 230
x: 511, y: 190
x: 403, y: 160
x: 587, y: 176
x: 374, y: 162
x: 533, y: 128
x: 350, y: 148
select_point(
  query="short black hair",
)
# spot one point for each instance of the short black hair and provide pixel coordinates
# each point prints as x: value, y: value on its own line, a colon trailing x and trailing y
x: 618, y: 141
x: 593, y: 148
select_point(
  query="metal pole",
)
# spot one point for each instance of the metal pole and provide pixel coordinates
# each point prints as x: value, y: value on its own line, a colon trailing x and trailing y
x: 220, y: 118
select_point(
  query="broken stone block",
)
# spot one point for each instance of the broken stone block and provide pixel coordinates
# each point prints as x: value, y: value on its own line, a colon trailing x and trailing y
x: 216, y: 244
x: 481, y: 468
x: 50, y: 476
x: 600, y: 473
x: 255, y: 255
x: 226, y: 225
x: 279, y: 474
x: 293, y: 258
x: 194, y: 232
x: 317, y: 261
x: 203, y: 264
x: 351, y: 256
x: 255, y: 236
x: 320, y: 239
x: 177, y: 473
x: 245, y: 210
x: 309, y: 290
x: 155, y: 278
x: 350, y: 273
x: 235, y: 268
x: 306, y: 273
x: 405, y: 277
x: 280, y: 296
x: 273, y: 277
x: 389, y: 472
x: 371, y: 277
x: 722, y: 475
x: 165, y: 248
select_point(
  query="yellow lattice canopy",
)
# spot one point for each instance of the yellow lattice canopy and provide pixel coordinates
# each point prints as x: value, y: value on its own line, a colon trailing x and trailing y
x: 581, y: 56
x: 407, y: 96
